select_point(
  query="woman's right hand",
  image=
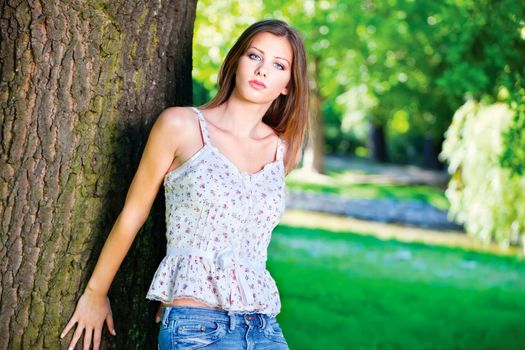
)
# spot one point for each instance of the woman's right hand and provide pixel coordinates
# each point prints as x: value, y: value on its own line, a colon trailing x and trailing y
x: 169, y: 132
x: 91, y: 312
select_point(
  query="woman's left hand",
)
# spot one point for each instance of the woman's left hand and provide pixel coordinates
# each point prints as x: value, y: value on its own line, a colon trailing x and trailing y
x: 158, y: 315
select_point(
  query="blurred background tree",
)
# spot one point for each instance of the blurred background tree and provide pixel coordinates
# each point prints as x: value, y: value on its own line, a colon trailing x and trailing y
x: 386, y: 77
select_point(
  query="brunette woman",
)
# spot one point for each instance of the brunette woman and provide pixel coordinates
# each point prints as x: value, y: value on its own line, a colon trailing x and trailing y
x: 223, y: 168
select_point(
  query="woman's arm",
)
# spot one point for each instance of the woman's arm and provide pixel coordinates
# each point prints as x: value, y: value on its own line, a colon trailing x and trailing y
x: 93, y: 307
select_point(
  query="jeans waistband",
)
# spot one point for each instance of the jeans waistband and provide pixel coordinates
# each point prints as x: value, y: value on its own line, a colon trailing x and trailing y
x: 230, y: 318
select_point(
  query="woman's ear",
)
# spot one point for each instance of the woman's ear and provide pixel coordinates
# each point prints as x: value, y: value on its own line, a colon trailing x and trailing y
x: 285, y: 91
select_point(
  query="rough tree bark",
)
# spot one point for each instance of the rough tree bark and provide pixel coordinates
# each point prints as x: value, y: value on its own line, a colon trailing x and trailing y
x: 81, y: 83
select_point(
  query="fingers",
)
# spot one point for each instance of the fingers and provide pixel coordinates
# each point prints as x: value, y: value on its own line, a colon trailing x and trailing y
x: 70, y: 324
x: 109, y: 322
x: 158, y: 315
x: 96, y: 339
x: 87, y: 338
x: 76, y: 337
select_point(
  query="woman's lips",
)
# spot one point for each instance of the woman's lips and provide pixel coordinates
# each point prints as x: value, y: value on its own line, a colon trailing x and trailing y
x: 257, y: 84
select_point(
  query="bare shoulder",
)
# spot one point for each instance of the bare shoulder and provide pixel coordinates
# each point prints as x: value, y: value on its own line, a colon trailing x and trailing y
x: 176, y: 127
x: 177, y: 119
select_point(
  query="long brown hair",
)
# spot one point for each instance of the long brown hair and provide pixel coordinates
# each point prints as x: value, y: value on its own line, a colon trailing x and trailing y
x: 288, y: 114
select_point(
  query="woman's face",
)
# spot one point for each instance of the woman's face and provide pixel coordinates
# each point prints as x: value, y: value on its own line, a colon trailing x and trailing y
x: 264, y: 70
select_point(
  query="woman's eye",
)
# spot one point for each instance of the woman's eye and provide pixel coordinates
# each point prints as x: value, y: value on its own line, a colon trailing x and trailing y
x: 254, y: 56
x: 278, y: 66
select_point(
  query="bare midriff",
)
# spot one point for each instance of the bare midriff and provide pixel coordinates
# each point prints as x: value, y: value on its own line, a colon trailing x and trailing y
x: 189, y: 302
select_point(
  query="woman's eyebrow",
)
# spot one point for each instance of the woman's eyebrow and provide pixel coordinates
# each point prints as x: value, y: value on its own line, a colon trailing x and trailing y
x: 282, y: 58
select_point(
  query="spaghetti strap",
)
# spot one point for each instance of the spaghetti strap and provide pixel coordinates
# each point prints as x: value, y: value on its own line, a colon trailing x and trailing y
x: 280, y: 149
x: 202, y: 123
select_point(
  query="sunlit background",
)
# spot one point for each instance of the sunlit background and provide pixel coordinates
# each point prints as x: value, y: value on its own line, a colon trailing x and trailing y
x: 405, y: 223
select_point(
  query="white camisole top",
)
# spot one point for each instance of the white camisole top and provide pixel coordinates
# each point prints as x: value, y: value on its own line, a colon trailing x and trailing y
x: 219, y: 222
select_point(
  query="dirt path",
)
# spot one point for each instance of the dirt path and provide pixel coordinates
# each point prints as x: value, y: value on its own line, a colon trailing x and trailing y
x: 450, y: 238
x: 368, y: 171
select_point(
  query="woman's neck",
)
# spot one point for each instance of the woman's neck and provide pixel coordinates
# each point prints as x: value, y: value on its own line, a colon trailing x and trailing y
x: 240, y: 118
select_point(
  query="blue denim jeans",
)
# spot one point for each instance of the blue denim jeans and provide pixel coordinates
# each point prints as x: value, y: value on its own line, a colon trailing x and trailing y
x: 190, y: 327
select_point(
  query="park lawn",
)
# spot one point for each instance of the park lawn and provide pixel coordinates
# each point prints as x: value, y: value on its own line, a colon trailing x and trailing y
x: 340, y: 182
x: 349, y: 291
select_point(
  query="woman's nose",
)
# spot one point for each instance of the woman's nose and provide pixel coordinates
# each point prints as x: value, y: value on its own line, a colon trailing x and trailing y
x: 261, y: 70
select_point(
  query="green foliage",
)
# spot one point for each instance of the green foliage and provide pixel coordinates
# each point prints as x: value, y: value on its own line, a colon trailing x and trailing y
x: 201, y: 94
x: 485, y: 60
x: 404, y: 64
x: 513, y: 156
x: 483, y: 195
x: 217, y: 25
x: 339, y: 139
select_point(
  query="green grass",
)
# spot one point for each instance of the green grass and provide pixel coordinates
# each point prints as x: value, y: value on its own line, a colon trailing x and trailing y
x: 347, y: 291
x: 341, y: 182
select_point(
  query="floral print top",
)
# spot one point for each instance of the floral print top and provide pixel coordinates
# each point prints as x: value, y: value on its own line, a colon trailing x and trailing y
x: 219, y: 222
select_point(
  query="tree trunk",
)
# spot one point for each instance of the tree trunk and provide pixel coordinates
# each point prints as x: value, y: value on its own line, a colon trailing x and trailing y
x: 378, y: 143
x: 313, y: 158
x: 431, y: 150
x: 80, y: 85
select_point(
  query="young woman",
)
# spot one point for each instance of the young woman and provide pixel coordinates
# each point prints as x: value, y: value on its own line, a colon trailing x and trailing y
x: 223, y: 170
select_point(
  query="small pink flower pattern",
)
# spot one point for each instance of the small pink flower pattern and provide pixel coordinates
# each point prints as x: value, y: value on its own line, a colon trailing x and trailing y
x: 210, y: 206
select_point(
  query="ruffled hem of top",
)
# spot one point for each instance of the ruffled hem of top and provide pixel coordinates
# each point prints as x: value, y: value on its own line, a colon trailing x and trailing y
x: 223, y: 307
x: 187, y: 276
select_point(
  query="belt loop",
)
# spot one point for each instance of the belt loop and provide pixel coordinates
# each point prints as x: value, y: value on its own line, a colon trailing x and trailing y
x: 262, y: 320
x: 165, y: 316
x: 231, y: 314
